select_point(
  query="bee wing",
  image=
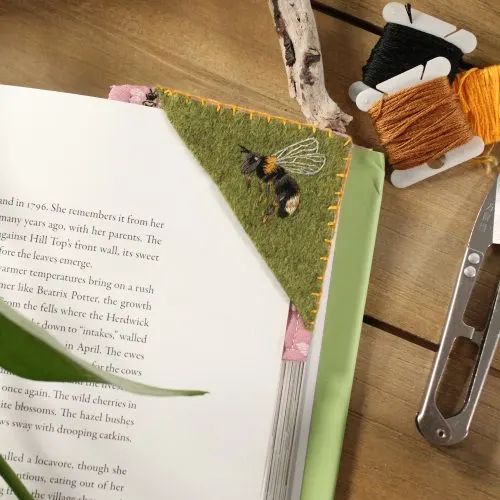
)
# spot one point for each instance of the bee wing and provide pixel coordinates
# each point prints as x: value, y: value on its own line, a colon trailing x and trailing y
x: 304, y: 165
x: 306, y: 146
x: 301, y: 157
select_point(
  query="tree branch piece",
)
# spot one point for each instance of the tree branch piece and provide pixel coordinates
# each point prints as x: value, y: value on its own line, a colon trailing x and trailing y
x: 300, y: 47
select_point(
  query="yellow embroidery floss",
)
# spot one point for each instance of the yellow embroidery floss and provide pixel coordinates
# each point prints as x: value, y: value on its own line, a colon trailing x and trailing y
x: 478, y: 91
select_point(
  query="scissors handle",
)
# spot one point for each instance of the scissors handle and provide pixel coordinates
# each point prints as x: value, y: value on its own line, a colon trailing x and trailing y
x: 431, y: 423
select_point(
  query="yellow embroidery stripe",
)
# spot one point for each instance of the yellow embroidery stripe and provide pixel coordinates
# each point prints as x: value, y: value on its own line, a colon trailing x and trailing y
x: 271, y: 165
x: 334, y: 208
x: 234, y: 108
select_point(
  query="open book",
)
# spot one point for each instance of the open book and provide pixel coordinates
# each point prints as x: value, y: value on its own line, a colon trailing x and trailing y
x: 117, y: 242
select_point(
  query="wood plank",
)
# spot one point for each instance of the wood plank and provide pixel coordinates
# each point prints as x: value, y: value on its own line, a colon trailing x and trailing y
x: 84, y: 47
x: 422, y: 237
x: 481, y: 17
x: 345, y: 48
x: 384, y: 456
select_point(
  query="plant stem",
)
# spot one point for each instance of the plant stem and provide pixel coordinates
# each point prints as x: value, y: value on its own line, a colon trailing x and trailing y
x: 13, y: 481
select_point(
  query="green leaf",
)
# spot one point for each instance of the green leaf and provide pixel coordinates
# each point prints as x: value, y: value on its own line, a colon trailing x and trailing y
x: 13, y: 481
x: 30, y: 352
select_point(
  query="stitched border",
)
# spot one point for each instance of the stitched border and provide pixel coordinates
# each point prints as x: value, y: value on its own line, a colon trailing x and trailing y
x: 336, y: 205
x: 336, y: 208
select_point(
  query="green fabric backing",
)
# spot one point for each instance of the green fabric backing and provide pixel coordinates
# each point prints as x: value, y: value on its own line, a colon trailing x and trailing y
x: 293, y: 246
x: 344, y: 315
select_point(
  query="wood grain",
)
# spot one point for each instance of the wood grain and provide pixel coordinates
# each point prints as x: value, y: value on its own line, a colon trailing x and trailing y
x: 421, y: 241
x: 85, y: 47
x: 478, y: 16
x: 384, y: 456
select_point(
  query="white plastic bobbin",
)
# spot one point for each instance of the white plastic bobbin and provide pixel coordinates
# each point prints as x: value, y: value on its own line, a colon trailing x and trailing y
x: 396, y: 13
x: 435, y: 68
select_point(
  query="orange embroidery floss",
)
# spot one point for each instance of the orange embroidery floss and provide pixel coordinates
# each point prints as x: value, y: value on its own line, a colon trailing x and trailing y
x: 478, y: 91
x: 420, y: 124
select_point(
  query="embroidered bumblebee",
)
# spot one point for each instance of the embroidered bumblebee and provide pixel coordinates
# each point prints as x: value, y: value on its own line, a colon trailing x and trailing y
x: 274, y: 172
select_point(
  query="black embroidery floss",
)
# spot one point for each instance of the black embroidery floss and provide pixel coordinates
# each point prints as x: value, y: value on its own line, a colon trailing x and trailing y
x: 401, y: 48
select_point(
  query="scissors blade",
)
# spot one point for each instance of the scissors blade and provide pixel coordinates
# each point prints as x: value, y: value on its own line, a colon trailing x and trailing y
x: 482, y: 233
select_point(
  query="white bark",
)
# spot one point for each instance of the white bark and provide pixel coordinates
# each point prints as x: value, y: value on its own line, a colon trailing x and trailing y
x: 296, y: 27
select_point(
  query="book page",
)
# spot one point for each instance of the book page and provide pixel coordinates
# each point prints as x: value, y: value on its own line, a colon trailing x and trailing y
x: 115, y: 240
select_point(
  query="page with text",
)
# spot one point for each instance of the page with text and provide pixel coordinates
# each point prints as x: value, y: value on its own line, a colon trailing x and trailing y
x: 114, y: 240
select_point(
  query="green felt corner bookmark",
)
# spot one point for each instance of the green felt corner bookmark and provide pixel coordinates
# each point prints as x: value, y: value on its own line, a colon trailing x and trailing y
x: 314, y: 164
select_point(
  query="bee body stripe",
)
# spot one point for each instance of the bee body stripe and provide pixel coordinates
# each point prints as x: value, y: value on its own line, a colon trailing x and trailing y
x: 271, y: 165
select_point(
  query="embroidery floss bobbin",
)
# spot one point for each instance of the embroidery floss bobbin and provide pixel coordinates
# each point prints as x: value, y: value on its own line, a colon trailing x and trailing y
x: 426, y: 124
x: 478, y: 91
x: 409, y: 39
x: 401, y: 48
x: 420, y: 124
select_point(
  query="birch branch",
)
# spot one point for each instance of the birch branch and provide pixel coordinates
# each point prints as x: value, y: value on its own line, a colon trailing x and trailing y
x: 300, y: 47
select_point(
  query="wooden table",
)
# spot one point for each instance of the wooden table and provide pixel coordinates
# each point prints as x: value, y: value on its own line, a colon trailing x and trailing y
x: 227, y: 49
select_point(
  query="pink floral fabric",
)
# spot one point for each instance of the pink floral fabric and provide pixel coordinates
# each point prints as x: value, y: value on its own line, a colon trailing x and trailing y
x: 135, y: 94
x: 297, y: 337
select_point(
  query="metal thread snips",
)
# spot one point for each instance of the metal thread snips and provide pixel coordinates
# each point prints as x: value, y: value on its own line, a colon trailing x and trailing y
x: 436, y: 428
